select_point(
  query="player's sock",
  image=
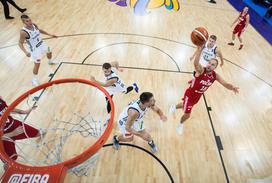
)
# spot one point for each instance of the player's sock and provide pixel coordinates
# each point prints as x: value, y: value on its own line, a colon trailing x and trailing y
x: 180, y: 128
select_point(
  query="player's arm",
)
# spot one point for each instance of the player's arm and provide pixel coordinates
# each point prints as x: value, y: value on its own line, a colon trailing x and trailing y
x: 46, y: 33
x: 227, y: 85
x: 22, y: 39
x: 159, y: 112
x: 132, y: 116
x: 193, y: 56
x: 116, y: 65
x: 20, y: 111
x: 220, y: 55
x: 198, y: 68
x: 105, y: 84
x: 247, y: 21
x: 235, y: 21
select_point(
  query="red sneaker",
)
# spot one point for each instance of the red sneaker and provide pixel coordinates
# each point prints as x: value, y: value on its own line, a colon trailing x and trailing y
x: 241, y: 46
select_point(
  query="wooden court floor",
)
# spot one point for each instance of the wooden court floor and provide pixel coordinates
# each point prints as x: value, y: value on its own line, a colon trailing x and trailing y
x: 154, y: 51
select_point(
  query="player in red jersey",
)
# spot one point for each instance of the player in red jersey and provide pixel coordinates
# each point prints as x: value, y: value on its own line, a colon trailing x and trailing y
x: 203, y: 79
x: 241, y: 24
x: 15, y: 130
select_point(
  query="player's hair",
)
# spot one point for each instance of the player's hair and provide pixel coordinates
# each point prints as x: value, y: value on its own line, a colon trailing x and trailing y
x: 213, y: 37
x: 145, y: 97
x: 215, y: 60
x: 24, y: 16
x: 106, y: 66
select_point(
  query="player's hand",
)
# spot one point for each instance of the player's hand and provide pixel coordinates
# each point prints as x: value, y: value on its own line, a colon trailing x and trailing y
x: 221, y: 64
x: 235, y: 90
x: 163, y: 118
x: 28, y: 54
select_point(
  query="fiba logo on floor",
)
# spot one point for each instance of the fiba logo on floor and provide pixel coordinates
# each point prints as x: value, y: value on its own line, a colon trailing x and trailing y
x: 29, y: 178
x: 141, y: 7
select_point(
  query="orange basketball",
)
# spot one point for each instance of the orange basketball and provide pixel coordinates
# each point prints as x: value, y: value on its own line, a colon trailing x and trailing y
x: 199, y: 36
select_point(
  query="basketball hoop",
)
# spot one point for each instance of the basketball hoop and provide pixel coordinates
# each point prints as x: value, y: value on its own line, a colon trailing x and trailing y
x: 51, y: 165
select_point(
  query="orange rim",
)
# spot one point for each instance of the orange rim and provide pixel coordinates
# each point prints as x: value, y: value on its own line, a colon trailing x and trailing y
x: 75, y: 160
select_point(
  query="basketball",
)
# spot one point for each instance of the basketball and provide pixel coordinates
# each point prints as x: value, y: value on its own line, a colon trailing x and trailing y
x: 199, y: 36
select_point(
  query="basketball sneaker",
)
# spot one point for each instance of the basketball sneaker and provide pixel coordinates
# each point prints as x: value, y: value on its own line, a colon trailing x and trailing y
x: 116, y: 144
x: 180, y: 129
x: 154, y: 148
x: 172, y: 109
x: 35, y: 82
x: 135, y: 87
x: 52, y: 62
x: 241, y: 46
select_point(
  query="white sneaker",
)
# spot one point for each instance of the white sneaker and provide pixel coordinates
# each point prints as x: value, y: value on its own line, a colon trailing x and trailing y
x: 172, y: 109
x: 180, y: 129
x: 53, y: 62
x: 35, y: 82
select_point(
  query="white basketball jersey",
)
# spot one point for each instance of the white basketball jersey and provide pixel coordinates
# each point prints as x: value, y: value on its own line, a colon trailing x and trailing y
x: 119, y: 86
x: 33, y: 39
x: 136, y: 106
x: 207, y: 54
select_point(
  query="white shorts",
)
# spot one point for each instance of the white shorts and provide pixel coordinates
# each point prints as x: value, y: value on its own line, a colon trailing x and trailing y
x: 137, y: 126
x: 203, y: 62
x: 37, y: 53
x: 116, y: 89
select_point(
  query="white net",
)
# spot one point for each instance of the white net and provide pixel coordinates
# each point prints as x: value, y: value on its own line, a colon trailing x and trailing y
x: 68, y: 124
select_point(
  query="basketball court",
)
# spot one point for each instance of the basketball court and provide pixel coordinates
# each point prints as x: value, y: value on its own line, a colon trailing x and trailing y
x: 227, y: 138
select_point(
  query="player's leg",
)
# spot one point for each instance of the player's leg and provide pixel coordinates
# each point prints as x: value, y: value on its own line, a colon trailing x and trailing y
x: 108, y: 104
x: 22, y: 10
x: 240, y: 40
x: 48, y: 51
x: 147, y: 137
x: 9, y: 146
x: 173, y: 108
x: 187, y: 108
x: 36, y: 67
x: 123, y: 137
x: 6, y: 9
x: 233, y: 38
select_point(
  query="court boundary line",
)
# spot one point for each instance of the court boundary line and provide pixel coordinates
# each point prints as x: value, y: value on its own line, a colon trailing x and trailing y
x: 217, y: 139
x: 148, y: 152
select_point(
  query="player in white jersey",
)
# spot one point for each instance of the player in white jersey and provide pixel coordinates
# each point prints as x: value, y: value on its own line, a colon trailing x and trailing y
x: 209, y: 52
x: 113, y: 83
x: 31, y: 33
x: 131, y: 121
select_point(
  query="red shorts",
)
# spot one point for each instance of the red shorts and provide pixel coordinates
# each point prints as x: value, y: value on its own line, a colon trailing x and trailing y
x: 9, y: 146
x: 238, y: 29
x: 189, y: 100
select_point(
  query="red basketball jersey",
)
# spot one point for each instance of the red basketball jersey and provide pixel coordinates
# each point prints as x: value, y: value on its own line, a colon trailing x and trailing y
x: 3, y: 108
x: 201, y: 83
x: 242, y: 20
